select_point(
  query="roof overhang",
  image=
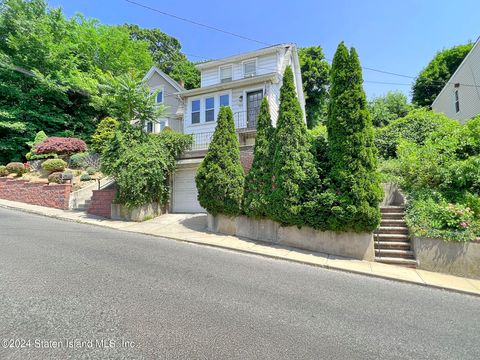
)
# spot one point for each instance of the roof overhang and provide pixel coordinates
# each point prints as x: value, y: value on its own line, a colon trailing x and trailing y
x: 273, y: 77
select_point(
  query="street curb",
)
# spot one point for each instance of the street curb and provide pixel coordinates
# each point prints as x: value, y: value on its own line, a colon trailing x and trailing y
x: 246, y: 251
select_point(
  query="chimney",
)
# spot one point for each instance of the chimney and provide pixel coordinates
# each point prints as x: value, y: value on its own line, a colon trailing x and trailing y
x: 181, y: 83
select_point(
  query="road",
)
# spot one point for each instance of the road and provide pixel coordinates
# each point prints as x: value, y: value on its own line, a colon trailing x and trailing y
x: 97, y: 293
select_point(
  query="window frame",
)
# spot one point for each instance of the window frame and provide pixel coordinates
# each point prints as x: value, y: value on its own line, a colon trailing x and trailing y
x: 243, y: 68
x: 199, y: 111
x: 209, y: 110
x: 220, y: 99
x: 226, y: 80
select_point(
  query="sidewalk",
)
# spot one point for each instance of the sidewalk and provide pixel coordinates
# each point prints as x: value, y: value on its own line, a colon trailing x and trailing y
x: 192, y: 229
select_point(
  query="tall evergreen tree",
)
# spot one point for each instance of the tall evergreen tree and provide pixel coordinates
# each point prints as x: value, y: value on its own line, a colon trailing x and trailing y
x: 220, y: 176
x: 293, y: 164
x: 352, y: 153
x: 258, y: 182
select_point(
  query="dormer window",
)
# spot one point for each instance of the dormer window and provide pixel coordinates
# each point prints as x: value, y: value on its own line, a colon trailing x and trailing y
x: 225, y: 73
x: 249, y: 68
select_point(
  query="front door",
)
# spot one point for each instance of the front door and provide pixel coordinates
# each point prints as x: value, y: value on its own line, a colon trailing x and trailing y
x: 254, y: 100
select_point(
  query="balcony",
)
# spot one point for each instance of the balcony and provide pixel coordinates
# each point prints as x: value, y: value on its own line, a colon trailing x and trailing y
x: 245, y: 124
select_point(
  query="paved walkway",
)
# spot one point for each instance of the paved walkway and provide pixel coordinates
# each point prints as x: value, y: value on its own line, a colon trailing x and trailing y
x: 193, y: 229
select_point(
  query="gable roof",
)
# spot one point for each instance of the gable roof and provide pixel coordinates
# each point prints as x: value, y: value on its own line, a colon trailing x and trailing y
x: 167, y: 78
x: 477, y: 43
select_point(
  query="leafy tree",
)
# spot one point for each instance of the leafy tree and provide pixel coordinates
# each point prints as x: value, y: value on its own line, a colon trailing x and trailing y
x: 220, y: 176
x: 258, y: 182
x: 104, y: 132
x: 166, y: 52
x: 351, y: 149
x: 315, y: 76
x: 293, y: 164
x: 391, y: 106
x: 436, y: 74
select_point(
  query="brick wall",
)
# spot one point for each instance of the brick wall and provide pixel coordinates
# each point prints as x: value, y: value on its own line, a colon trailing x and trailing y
x: 36, y: 193
x: 101, y: 202
x: 246, y: 158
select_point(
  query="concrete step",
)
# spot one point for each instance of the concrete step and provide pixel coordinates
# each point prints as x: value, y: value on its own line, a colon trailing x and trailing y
x: 394, y: 253
x: 393, y: 216
x: 396, y: 261
x: 87, y: 202
x: 392, y: 209
x: 392, y: 230
x: 392, y: 245
x: 393, y: 222
x: 391, y: 237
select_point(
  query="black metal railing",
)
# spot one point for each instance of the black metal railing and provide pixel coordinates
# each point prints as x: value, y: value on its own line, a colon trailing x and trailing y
x: 246, y: 119
x: 201, y: 140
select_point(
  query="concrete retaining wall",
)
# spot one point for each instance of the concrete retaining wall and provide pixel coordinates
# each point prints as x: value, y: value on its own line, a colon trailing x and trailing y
x: 354, y: 245
x: 141, y: 213
x: 462, y: 259
x: 392, y: 195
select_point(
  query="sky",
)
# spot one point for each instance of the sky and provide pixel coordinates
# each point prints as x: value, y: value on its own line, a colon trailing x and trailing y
x: 389, y: 35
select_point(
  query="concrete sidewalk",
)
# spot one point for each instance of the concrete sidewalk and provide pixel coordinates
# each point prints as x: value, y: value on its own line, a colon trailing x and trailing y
x: 192, y: 228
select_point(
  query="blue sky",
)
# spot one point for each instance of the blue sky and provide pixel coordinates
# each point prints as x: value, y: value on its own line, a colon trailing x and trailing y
x: 395, y: 36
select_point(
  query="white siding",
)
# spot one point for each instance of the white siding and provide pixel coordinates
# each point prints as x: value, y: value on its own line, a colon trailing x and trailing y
x: 468, y: 76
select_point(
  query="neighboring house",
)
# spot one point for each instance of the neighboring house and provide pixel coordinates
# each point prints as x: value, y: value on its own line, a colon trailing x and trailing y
x: 165, y: 87
x: 460, y: 98
x: 239, y: 81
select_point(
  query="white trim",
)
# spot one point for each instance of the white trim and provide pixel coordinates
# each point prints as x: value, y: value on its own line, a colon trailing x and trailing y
x: 216, y: 102
x: 220, y: 73
x: 243, y: 68
x: 172, y: 82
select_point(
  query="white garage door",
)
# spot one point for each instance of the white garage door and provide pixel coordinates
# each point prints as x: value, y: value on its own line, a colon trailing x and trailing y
x: 185, y: 192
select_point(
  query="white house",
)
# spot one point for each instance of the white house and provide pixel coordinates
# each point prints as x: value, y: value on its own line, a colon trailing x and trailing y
x: 460, y: 98
x: 239, y: 81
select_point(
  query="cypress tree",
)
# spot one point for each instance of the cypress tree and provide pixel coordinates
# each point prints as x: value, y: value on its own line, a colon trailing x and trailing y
x: 293, y: 164
x: 220, y: 176
x: 351, y: 151
x: 258, y: 182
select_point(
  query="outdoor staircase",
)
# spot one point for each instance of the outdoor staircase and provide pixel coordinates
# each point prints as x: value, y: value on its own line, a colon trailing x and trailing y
x: 84, y: 205
x: 392, y: 242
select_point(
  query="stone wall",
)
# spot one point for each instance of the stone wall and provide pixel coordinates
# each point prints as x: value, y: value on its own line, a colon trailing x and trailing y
x: 35, y: 193
x: 246, y: 158
x: 348, y: 244
x: 101, y: 202
x: 457, y: 258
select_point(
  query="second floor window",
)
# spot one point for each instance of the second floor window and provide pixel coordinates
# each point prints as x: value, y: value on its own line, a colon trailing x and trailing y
x: 210, y: 109
x: 249, y: 68
x: 457, y: 102
x: 195, y: 111
x: 159, y: 97
x: 226, y: 73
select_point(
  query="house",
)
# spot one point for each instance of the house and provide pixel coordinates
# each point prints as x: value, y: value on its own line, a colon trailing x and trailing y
x: 460, y: 98
x: 239, y: 81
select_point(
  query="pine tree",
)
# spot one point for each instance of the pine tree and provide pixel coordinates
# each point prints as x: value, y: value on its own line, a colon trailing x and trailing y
x: 258, y: 182
x: 293, y: 164
x: 220, y: 176
x: 351, y: 150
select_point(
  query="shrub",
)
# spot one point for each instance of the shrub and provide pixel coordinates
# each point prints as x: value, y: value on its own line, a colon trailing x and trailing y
x: 351, y: 149
x: 55, y: 178
x: 16, y: 168
x: 415, y: 127
x: 60, y: 145
x: 85, y: 177
x: 3, y: 171
x: 91, y: 170
x: 258, y: 182
x: 54, y: 165
x: 77, y: 161
x: 39, y: 137
x: 105, y: 130
x: 293, y: 163
x: 220, y: 176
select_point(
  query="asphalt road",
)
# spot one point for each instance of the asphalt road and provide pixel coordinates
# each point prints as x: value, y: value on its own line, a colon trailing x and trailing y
x: 97, y: 293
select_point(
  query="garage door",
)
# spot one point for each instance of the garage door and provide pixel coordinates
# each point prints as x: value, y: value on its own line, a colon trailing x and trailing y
x: 185, y: 192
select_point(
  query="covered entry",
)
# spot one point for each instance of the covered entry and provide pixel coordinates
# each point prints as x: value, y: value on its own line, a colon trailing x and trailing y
x: 184, y: 194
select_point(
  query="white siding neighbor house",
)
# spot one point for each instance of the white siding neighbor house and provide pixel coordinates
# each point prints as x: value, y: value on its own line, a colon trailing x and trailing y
x: 460, y: 98
x: 239, y: 81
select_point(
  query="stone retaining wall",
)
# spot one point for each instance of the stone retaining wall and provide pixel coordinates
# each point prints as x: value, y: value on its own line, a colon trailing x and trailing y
x: 101, y: 202
x: 35, y: 193
x: 348, y: 244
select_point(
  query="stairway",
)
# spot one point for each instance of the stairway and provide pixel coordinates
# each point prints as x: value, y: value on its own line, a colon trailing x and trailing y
x: 84, y: 206
x: 392, y: 242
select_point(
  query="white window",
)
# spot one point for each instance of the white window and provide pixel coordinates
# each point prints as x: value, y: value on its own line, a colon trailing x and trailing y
x: 457, y: 102
x: 159, y: 97
x: 225, y: 100
x: 195, y: 111
x: 249, y: 68
x: 210, y: 109
x: 225, y: 73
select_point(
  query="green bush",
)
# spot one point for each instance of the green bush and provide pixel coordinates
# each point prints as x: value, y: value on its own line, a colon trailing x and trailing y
x: 351, y: 149
x: 16, y: 168
x: 294, y: 173
x: 104, y: 133
x: 3, y: 171
x: 54, y: 165
x: 77, y: 161
x: 91, y: 170
x: 220, y: 176
x: 85, y: 177
x: 416, y: 127
x: 55, y: 178
x: 258, y: 182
